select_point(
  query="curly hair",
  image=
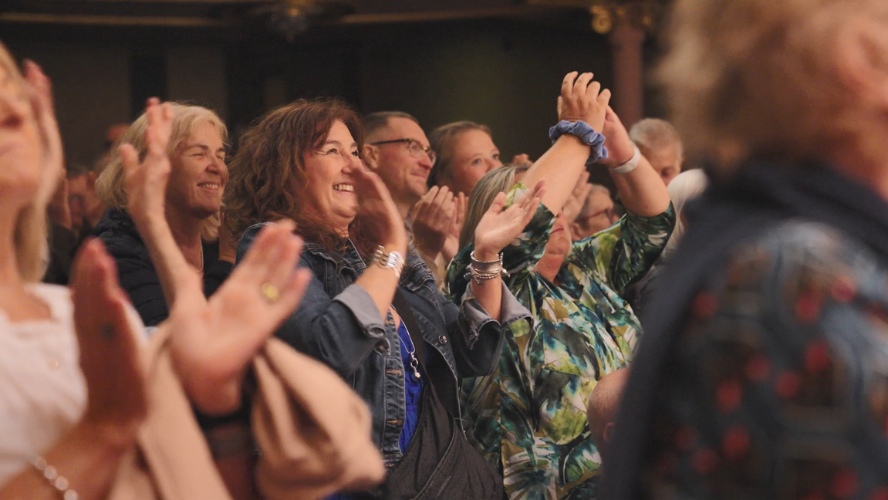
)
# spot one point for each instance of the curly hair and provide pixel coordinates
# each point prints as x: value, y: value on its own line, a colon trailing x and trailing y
x: 267, y: 175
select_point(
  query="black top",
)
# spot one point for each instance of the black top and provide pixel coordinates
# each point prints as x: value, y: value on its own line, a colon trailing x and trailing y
x: 136, y: 271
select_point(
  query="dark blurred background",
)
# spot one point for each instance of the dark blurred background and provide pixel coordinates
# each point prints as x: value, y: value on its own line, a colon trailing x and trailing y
x: 497, y: 62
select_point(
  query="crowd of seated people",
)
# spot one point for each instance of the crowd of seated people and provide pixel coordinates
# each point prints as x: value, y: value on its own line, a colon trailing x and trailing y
x: 350, y: 308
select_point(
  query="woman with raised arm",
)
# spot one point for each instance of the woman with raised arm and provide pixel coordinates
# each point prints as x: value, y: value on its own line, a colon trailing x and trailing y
x: 372, y: 311
x: 529, y: 416
x: 764, y: 371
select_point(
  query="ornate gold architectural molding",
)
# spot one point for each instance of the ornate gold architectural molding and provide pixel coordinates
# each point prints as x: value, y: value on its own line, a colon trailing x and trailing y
x: 607, y: 14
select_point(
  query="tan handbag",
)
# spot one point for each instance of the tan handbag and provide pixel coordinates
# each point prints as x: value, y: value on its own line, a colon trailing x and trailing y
x: 312, y: 429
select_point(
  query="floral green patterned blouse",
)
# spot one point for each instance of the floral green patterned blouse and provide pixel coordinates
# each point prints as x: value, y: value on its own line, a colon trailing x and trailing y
x: 529, y: 417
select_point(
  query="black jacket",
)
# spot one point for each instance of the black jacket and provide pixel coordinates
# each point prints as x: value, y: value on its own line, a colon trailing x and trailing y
x: 136, y: 271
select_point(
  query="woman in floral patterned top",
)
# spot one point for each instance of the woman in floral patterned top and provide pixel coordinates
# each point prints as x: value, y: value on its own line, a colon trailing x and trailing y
x: 529, y: 417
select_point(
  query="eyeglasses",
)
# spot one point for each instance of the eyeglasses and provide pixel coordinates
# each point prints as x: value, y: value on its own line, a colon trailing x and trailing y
x: 415, y: 147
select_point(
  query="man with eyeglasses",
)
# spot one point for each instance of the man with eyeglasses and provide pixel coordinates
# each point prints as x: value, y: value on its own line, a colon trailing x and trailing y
x: 396, y: 148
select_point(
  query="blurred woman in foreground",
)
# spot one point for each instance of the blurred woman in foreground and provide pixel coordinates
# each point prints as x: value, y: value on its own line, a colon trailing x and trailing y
x: 763, y: 373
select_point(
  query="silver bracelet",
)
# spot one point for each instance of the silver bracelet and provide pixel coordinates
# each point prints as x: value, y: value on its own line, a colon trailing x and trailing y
x: 390, y: 260
x: 483, y: 271
x: 58, y: 482
x: 629, y: 165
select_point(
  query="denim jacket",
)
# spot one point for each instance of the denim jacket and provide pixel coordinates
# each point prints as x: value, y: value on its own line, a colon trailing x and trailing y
x: 338, y: 323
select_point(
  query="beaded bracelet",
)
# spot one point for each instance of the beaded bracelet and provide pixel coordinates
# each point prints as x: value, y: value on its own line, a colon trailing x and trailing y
x: 58, y: 482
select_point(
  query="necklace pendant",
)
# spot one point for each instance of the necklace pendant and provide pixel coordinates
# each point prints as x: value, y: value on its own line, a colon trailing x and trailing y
x: 414, y: 364
x: 416, y: 373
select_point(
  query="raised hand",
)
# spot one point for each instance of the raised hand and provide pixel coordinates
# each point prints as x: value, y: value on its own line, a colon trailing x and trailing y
x: 617, y: 141
x: 582, y: 99
x: 378, y: 213
x: 451, y: 245
x: 58, y: 210
x: 499, y: 227
x: 39, y: 90
x: 213, y: 342
x: 574, y: 205
x: 108, y: 348
x: 433, y: 217
x: 145, y: 182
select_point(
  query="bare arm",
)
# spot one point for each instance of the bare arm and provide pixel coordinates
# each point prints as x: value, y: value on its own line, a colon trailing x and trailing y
x: 641, y: 190
x: 563, y: 163
x: 84, y: 456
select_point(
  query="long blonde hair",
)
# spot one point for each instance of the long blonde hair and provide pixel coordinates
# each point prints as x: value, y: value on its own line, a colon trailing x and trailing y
x: 30, y: 234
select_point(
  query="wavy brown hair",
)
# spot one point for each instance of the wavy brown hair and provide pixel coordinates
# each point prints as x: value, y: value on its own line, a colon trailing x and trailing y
x: 267, y: 175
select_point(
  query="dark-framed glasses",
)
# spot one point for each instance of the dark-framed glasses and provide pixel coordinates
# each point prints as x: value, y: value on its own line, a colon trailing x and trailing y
x: 415, y: 147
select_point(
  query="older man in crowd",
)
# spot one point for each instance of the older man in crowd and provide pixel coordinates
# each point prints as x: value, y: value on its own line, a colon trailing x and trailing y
x: 397, y: 149
x: 660, y: 143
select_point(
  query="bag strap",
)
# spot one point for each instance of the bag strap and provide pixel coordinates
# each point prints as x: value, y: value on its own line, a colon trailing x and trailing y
x: 403, y: 308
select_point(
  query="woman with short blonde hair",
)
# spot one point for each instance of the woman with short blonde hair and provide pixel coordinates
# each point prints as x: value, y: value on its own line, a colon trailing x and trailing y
x: 109, y: 185
x: 193, y: 199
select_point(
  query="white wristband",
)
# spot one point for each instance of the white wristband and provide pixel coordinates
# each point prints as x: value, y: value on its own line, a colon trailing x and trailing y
x: 629, y: 165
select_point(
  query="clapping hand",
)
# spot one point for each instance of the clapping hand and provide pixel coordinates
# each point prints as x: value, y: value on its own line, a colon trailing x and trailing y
x: 39, y: 90
x: 108, y: 349
x: 145, y: 182
x: 451, y: 245
x: 214, y: 342
x: 582, y: 99
x: 499, y: 227
x: 433, y: 217
x: 378, y: 213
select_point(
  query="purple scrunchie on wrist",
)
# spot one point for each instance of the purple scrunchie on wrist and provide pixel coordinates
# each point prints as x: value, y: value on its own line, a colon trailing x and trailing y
x: 585, y: 133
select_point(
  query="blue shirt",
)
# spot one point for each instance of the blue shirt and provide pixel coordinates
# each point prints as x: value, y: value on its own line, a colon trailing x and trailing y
x: 412, y: 391
x: 412, y: 398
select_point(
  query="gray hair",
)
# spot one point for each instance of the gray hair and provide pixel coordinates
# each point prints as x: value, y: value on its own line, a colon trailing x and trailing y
x: 654, y: 134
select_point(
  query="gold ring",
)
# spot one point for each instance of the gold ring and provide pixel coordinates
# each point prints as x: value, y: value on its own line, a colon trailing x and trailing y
x: 270, y: 292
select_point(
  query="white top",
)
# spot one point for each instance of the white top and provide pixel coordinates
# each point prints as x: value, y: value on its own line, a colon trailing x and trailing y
x: 42, y: 390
